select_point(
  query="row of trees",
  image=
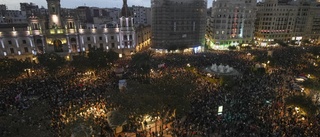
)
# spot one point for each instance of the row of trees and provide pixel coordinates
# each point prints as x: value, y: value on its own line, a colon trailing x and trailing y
x: 95, y: 59
x: 11, y: 68
x: 52, y: 62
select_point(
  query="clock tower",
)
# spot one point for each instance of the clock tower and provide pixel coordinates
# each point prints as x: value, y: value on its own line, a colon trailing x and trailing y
x: 54, y: 13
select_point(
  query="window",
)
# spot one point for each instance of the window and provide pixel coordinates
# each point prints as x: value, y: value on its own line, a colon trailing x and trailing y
x: 26, y: 50
x: 112, y: 45
x: 125, y: 37
x: 100, y: 38
x: 88, y: 38
x: 112, y: 37
x: 101, y: 45
x: 11, y: 50
x: 9, y: 42
x: 24, y: 41
x: 89, y: 46
x: 53, y: 9
x: 130, y: 37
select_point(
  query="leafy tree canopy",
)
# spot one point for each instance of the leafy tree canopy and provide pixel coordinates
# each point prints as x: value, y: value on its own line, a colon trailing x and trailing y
x: 51, y: 61
x: 304, y: 102
x: 12, y: 67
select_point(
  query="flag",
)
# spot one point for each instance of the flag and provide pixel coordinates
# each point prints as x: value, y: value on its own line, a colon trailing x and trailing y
x: 161, y: 65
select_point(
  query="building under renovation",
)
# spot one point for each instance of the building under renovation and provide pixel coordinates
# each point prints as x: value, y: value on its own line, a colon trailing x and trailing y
x: 178, y: 24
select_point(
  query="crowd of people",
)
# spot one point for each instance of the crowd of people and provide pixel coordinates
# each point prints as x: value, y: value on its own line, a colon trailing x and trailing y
x: 67, y: 98
x: 253, y: 104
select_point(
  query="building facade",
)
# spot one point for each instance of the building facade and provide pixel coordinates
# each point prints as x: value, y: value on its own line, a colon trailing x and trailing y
x: 143, y: 37
x: 231, y: 23
x: 30, y: 9
x: 178, y: 24
x: 141, y: 15
x: 287, y: 21
x: 12, y: 16
x: 66, y: 35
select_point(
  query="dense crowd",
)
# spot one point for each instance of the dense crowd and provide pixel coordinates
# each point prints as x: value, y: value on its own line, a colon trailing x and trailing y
x: 253, y: 104
x: 69, y: 98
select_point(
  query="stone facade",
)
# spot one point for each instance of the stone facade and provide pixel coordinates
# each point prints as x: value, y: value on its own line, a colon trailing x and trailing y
x: 66, y: 36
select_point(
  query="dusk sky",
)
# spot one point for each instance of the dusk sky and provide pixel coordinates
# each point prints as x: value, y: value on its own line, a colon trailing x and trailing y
x: 15, y: 4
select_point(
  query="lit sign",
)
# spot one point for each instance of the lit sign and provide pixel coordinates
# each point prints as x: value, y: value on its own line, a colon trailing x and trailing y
x: 220, y: 109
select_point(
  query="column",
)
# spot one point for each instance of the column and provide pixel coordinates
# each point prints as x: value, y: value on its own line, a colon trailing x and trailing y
x: 134, y: 40
x: 31, y: 42
x: 43, y: 44
x: 119, y: 39
x: 68, y: 42
x: 78, y: 46
x: 17, y: 43
x: 2, y: 44
x: 95, y: 40
x: 106, y: 37
x: 83, y: 47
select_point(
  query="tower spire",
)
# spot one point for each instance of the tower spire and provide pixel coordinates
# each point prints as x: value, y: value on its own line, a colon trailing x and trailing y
x: 125, y: 12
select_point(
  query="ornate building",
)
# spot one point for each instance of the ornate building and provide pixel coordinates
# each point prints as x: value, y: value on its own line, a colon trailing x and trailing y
x: 65, y: 35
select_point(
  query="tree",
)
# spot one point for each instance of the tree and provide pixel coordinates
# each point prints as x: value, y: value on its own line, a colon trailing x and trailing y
x: 182, y: 47
x: 141, y: 64
x: 13, y: 67
x: 97, y: 57
x: 305, y: 42
x: 163, y: 97
x: 292, y: 42
x: 51, y: 61
x: 232, y: 47
x: 304, y: 102
x: 312, y: 84
x: 281, y: 43
x: 172, y: 48
x: 112, y: 56
x: 81, y: 63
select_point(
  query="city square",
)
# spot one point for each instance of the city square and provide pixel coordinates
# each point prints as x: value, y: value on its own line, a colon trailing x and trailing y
x: 178, y: 99
x: 178, y: 68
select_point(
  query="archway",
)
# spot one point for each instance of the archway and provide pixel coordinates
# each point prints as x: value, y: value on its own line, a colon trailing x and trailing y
x: 73, y: 45
x: 39, y: 45
x: 57, y: 44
